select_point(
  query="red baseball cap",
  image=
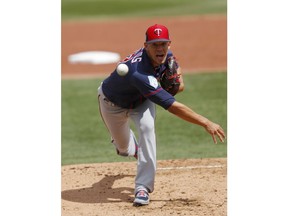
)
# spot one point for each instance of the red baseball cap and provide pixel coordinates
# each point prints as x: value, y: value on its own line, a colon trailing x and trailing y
x: 157, y: 33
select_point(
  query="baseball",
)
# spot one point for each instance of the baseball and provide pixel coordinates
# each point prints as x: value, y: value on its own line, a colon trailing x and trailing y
x: 122, y: 69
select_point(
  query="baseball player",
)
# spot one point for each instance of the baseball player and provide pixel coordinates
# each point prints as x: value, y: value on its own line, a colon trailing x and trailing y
x: 135, y: 95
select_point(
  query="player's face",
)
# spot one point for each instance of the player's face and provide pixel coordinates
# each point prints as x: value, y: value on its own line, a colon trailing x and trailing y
x: 157, y: 52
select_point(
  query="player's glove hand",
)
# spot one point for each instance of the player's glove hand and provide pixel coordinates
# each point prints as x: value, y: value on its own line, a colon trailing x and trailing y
x: 169, y: 79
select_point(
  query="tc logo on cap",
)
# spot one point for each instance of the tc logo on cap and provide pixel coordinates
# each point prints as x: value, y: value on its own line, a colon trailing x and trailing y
x: 158, y: 31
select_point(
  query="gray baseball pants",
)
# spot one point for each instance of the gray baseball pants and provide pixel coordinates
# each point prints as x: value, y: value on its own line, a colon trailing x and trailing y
x: 117, y: 120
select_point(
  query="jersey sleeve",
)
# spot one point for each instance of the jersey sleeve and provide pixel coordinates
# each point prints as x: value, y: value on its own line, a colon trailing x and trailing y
x: 150, y: 89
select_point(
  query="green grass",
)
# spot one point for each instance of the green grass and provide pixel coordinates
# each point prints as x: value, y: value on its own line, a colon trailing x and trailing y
x: 86, y: 140
x: 105, y: 9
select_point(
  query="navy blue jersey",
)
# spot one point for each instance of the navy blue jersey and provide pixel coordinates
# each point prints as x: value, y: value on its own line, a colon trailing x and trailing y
x: 140, y: 83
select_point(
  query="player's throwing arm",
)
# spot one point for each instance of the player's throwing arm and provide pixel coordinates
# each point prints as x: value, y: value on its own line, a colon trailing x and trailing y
x: 189, y: 115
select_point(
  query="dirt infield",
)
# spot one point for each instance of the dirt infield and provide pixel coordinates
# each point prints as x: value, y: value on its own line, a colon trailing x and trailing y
x: 183, y: 187
x: 199, y: 43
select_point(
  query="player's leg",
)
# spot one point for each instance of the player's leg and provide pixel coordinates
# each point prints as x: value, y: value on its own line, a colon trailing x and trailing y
x: 117, y: 122
x: 144, y: 118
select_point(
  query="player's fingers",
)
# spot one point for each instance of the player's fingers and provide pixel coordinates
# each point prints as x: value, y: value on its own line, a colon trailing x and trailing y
x: 214, y: 138
x: 220, y: 136
x: 221, y: 131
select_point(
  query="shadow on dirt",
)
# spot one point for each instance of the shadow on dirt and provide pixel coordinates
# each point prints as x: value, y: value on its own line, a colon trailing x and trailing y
x: 101, y: 192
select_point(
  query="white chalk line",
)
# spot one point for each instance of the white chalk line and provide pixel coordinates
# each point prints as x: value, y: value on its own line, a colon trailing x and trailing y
x: 190, y: 167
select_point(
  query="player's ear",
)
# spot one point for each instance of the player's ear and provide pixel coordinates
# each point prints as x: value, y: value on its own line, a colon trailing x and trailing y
x: 145, y: 44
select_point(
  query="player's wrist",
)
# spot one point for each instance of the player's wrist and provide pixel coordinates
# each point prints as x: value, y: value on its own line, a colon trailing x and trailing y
x: 204, y: 122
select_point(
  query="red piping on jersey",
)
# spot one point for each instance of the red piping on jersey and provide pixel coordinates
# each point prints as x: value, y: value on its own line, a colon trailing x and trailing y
x: 152, y: 93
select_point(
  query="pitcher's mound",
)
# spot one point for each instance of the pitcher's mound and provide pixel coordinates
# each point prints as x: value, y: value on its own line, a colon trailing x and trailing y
x: 182, y: 187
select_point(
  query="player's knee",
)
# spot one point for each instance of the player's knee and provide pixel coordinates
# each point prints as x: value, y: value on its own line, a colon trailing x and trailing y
x: 124, y: 154
x: 147, y: 128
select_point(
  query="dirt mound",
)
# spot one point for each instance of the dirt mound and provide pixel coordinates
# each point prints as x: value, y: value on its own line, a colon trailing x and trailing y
x: 182, y: 187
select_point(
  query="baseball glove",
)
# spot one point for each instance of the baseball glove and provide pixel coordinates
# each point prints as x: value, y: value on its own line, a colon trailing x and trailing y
x: 169, y: 79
